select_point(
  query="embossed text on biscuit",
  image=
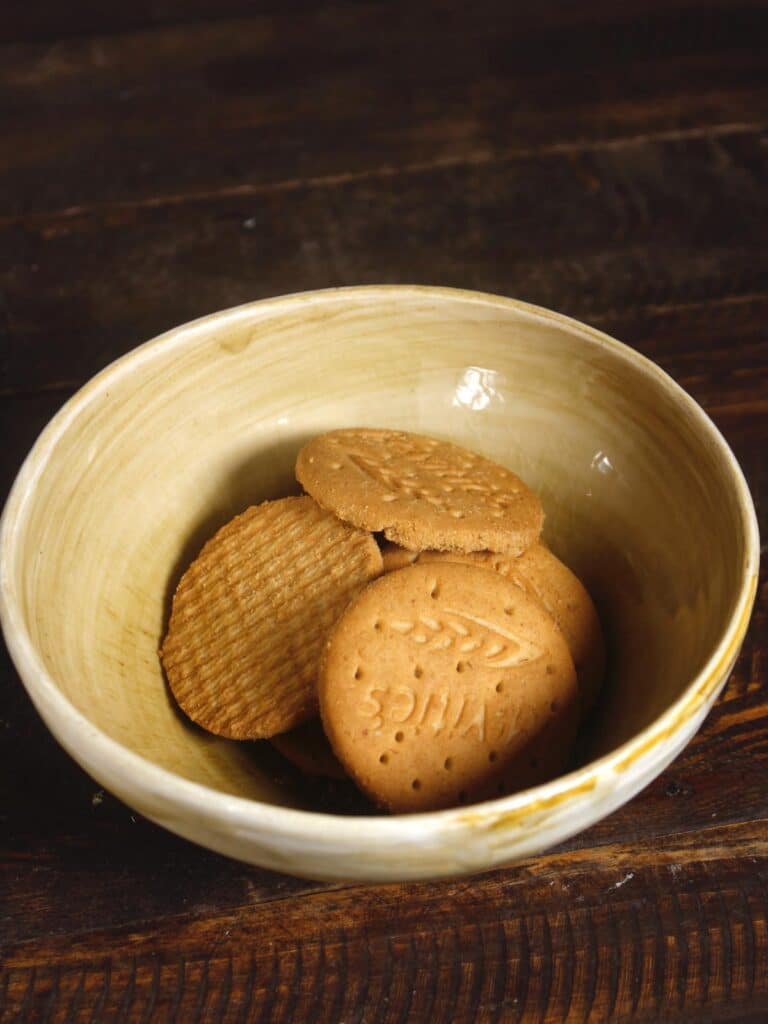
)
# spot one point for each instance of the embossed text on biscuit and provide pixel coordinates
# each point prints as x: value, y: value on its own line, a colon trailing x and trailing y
x: 437, y: 709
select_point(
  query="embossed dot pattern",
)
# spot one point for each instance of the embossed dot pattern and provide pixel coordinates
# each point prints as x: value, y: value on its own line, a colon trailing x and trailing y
x: 420, y: 492
x: 546, y: 579
x: 415, y: 715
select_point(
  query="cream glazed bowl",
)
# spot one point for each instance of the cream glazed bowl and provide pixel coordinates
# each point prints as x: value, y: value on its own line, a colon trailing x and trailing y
x: 644, y: 500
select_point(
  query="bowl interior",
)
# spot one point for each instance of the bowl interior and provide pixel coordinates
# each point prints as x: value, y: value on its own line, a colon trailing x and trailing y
x: 164, y: 447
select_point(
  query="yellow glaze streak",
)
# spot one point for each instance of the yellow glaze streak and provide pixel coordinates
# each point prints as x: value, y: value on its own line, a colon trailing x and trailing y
x: 530, y: 813
x: 716, y: 676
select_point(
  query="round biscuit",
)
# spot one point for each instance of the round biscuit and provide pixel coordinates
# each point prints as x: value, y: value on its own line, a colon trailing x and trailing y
x: 444, y: 684
x: 252, y: 612
x: 307, y: 747
x: 394, y: 557
x: 544, y: 577
x: 421, y: 492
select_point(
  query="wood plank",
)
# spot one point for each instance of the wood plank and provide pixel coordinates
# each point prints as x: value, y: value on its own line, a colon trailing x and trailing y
x: 602, y: 234
x: 640, y: 933
x: 47, y: 20
x: 232, y: 104
x: 169, y: 157
x: 21, y: 420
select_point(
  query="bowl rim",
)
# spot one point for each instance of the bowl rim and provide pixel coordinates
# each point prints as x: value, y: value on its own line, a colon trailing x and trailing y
x: 153, y: 781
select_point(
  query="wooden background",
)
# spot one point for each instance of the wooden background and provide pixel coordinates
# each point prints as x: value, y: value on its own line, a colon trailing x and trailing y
x: 166, y: 158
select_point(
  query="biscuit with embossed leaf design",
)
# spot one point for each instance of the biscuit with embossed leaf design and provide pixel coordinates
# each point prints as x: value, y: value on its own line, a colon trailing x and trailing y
x: 421, y: 492
x: 443, y: 684
x: 544, y: 577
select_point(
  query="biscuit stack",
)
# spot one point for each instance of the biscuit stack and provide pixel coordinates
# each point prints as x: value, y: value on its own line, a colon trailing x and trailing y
x: 450, y: 664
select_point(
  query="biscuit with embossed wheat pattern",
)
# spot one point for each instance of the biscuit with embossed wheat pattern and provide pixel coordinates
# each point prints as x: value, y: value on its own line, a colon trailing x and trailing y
x: 252, y: 612
x: 421, y: 492
x: 544, y: 577
x: 445, y: 683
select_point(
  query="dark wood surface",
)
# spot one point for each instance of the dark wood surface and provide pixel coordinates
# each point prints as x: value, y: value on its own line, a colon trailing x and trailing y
x: 162, y: 160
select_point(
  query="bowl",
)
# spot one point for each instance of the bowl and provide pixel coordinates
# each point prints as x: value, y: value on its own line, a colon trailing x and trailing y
x: 644, y: 500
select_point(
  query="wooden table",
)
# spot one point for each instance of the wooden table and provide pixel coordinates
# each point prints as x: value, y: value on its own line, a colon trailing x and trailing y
x: 163, y: 160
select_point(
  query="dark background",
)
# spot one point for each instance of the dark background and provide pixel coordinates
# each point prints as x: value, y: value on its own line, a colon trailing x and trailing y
x: 166, y: 158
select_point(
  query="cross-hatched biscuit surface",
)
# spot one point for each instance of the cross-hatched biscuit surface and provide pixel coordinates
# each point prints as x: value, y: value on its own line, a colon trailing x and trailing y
x: 251, y: 614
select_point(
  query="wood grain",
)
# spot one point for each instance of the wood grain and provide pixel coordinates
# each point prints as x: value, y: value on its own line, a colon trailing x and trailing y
x: 163, y: 160
x: 89, y: 17
x: 614, y: 229
x: 47, y: 21
x: 345, y: 89
x: 627, y: 932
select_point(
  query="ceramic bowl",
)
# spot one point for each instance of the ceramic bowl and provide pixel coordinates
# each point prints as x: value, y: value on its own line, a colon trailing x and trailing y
x: 643, y: 499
